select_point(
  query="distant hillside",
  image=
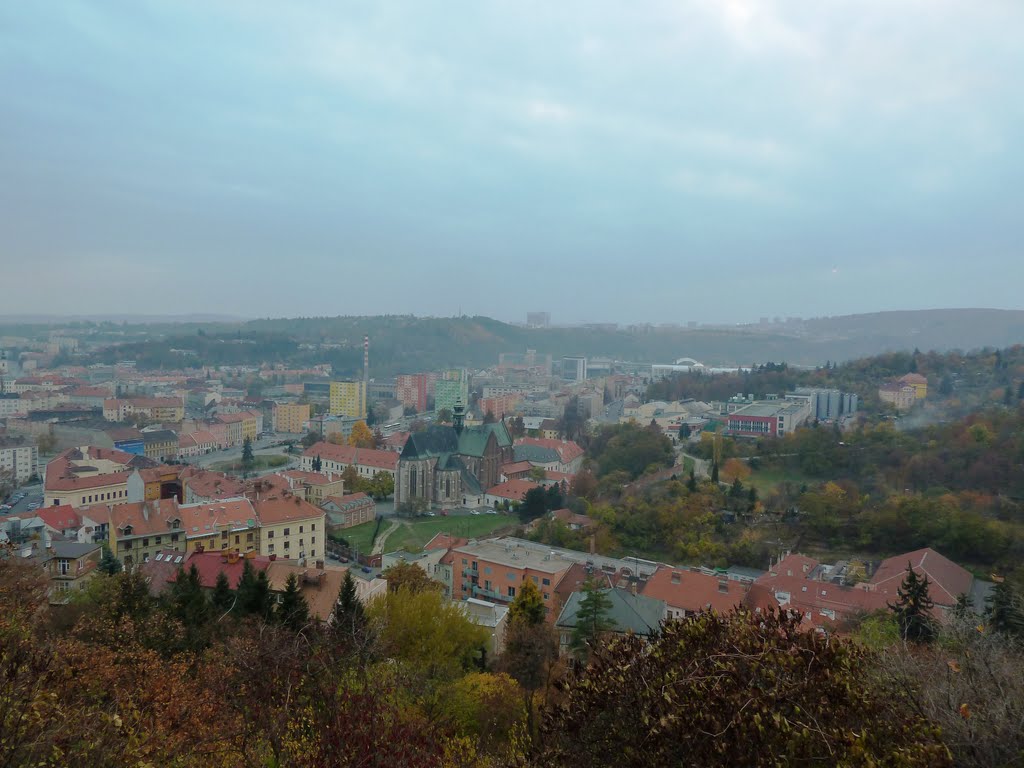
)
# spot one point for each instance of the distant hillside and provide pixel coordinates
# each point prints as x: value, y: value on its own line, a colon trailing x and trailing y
x: 404, y: 343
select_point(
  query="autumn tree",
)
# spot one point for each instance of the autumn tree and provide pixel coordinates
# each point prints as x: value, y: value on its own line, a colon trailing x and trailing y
x: 531, y: 648
x: 361, y: 436
x: 409, y: 576
x: 739, y: 689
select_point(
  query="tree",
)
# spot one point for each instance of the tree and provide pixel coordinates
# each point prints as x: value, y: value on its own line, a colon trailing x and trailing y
x: 361, y: 436
x: 222, y: 599
x: 292, y: 610
x: 349, y: 614
x: 591, y: 619
x: 248, y: 459
x: 528, y: 605
x: 311, y: 438
x: 318, y: 464
x: 253, y: 594
x: 913, y: 609
x: 516, y: 427
x: 1004, y: 610
x: 409, y: 576
x: 738, y: 689
x: 382, y: 486
x: 534, y: 504
x: 109, y: 564
x: 553, y: 497
x: 490, y: 418
x: 714, y: 472
x: 691, y: 482
x: 444, y: 416
x: 685, y: 431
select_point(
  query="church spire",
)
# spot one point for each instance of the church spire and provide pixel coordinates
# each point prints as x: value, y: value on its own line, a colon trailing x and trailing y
x: 458, y: 417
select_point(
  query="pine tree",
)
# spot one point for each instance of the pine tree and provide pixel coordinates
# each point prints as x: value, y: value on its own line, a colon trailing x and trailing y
x: 1004, y: 610
x: 189, y: 603
x: 223, y: 599
x: 691, y: 484
x: 292, y: 611
x: 913, y: 609
x: 714, y: 472
x: 253, y: 598
x: 528, y: 605
x: 247, y: 455
x: 318, y: 463
x: 591, y: 619
x: 109, y: 564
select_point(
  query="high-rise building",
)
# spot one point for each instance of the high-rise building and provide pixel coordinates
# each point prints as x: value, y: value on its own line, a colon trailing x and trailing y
x: 451, y: 388
x: 348, y: 398
x: 538, y: 319
x: 574, y: 368
x: 411, y: 390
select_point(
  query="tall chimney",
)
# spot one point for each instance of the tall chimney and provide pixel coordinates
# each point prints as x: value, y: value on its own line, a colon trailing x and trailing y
x: 366, y: 373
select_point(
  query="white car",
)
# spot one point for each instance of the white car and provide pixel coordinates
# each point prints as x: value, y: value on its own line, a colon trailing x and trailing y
x: 475, y: 512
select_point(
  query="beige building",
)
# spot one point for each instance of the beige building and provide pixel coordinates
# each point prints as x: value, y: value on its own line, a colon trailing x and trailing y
x: 314, y: 487
x: 290, y: 417
x: 89, y: 475
x: 901, y: 396
x: 18, y: 460
x: 155, y: 408
x: 290, y: 528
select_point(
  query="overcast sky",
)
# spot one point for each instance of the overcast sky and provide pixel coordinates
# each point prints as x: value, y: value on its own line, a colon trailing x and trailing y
x: 633, y: 161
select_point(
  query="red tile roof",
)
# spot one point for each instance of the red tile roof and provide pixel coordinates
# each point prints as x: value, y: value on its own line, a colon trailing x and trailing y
x: 211, y: 485
x: 347, y: 454
x: 567, y: 450
x: 693, y: 591
x: 60, y: 518
x: 144, y: 517
x: 947, y: 579
x: 210, y: 564
x: 515, y: 468
x: 514, y: 490
x: 283, y: 508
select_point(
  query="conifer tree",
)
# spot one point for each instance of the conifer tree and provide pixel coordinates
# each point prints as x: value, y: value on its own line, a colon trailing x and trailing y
x: 913, y: 609
x: 292, y: 611
x: 247, y: 455
x: 691, y: 484
x: 222, y: 599
x: 189, y: 603
x: 591, y: 619
x: 1004, y: 610
x: 109, y: 564
x: 714, y: 472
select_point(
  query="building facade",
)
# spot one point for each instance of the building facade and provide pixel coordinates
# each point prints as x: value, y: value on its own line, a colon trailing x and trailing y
x: 348, y: 398
x: 290, y: 417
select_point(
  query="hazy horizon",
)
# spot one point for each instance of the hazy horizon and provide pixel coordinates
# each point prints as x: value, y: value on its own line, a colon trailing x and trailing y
x: 709, y: 161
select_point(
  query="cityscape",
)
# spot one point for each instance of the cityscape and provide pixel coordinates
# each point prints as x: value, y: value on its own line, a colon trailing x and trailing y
x: 565, y: 385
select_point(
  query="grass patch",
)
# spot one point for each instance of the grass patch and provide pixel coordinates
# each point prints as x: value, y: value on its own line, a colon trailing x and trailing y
x: 412, y: 535
x: 359, y: 536
x: 768, y: 479
x: 268, y: 461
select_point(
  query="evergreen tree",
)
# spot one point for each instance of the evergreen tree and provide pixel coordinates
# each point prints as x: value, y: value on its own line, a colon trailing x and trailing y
x: 349, y: 613
x: 292, y: 610
x: 913, y: 609
x: 691, y: 484
x: 1004, y: 610
x: 223, y: 599
x: 1020, y: 391
x: 684, y: 432
x: 318, y: 463
x: 714, y: 472
x: 752, y: 495
x: 553, y: 497
x: 253, y: 596
x: 248, y: 459
x: 591, y: 619
x: 528, y: 605
x: 109, y: 564
x: 737, y: 489
x: 189, y: 603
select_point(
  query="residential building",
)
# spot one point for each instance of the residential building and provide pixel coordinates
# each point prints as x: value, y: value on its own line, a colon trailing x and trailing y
x: 451, y: 389
x: 687, y: 592
x: 452, y: 464
x: 90, y: 475
x: 638, y: 614
x: 901, y: 396
x: 563, y: 456
x: 138, y: 530
x: 491, y: 616
x: 499, y: 406
x: 19, y: 459
x: 574, y: 368
x: 241, y: 426
x: 160, y: 444
x: 918, y: 382
x: 227, y: 524
x: 348, y: 510
x: 154, y: 408
x: 319, y: 585
x: 335, y: 459
x: 828, y: 404
x: 199, y: 485
x: 313, y: 487
x: 70, y: 566
x: 12, y: 405
x: 290, y: 527
x: 508, y: 492
x: 290, y: 417
x: 412, y: 389
x: 348, y: 398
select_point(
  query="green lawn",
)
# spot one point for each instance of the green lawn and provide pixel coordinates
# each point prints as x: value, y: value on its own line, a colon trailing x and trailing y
x: 269, y: 461
x: 767, y: 480
x: 413, y: 534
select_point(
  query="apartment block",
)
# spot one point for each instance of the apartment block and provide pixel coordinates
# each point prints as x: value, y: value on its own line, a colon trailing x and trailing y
x: 348, y: 398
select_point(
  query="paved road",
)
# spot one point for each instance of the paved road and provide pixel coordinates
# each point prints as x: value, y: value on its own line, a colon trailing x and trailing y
x: 701, y: 467
x: 260, y: 447
x: 33, y: 493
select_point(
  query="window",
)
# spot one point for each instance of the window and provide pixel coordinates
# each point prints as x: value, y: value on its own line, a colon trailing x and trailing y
x: 511, y: 591
x: 286, y: 544
x: 312, y: 527
x: 270, y: 534
x: 238, y: 539
x: 145, y: 542
x: 248, y: 537
x: 287, y: 531
x: 534, y: 579
x: 301, y: 542
x: 312, y: 540
x: 546, y: 582
x: 300, y: 529
x: 511, y: 576
x: 546, y: 596
x: 63, y: 567
x: 270, y: 548
x: 174, y: 537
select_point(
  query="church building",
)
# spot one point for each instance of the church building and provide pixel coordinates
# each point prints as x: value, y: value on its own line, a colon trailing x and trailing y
x: 453, y: 465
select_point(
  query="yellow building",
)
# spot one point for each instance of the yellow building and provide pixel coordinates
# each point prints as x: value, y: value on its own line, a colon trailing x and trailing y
x: 918, y: 382
x: 229, y: 524
x: 348, y: 398
x: 290, y: 417
x: 290, y: 528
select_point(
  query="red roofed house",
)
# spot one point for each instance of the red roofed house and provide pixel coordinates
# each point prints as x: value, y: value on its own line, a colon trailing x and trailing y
x: 314, y: 487
x: 557, y: 455
x: 947, y: 580
x: 90, y: 475
x: 336, y: 458
x: 687, y: 592
x: 63, y: 519
x: 290, y: 527
x: 349, y: 510
x: 512, y: 491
